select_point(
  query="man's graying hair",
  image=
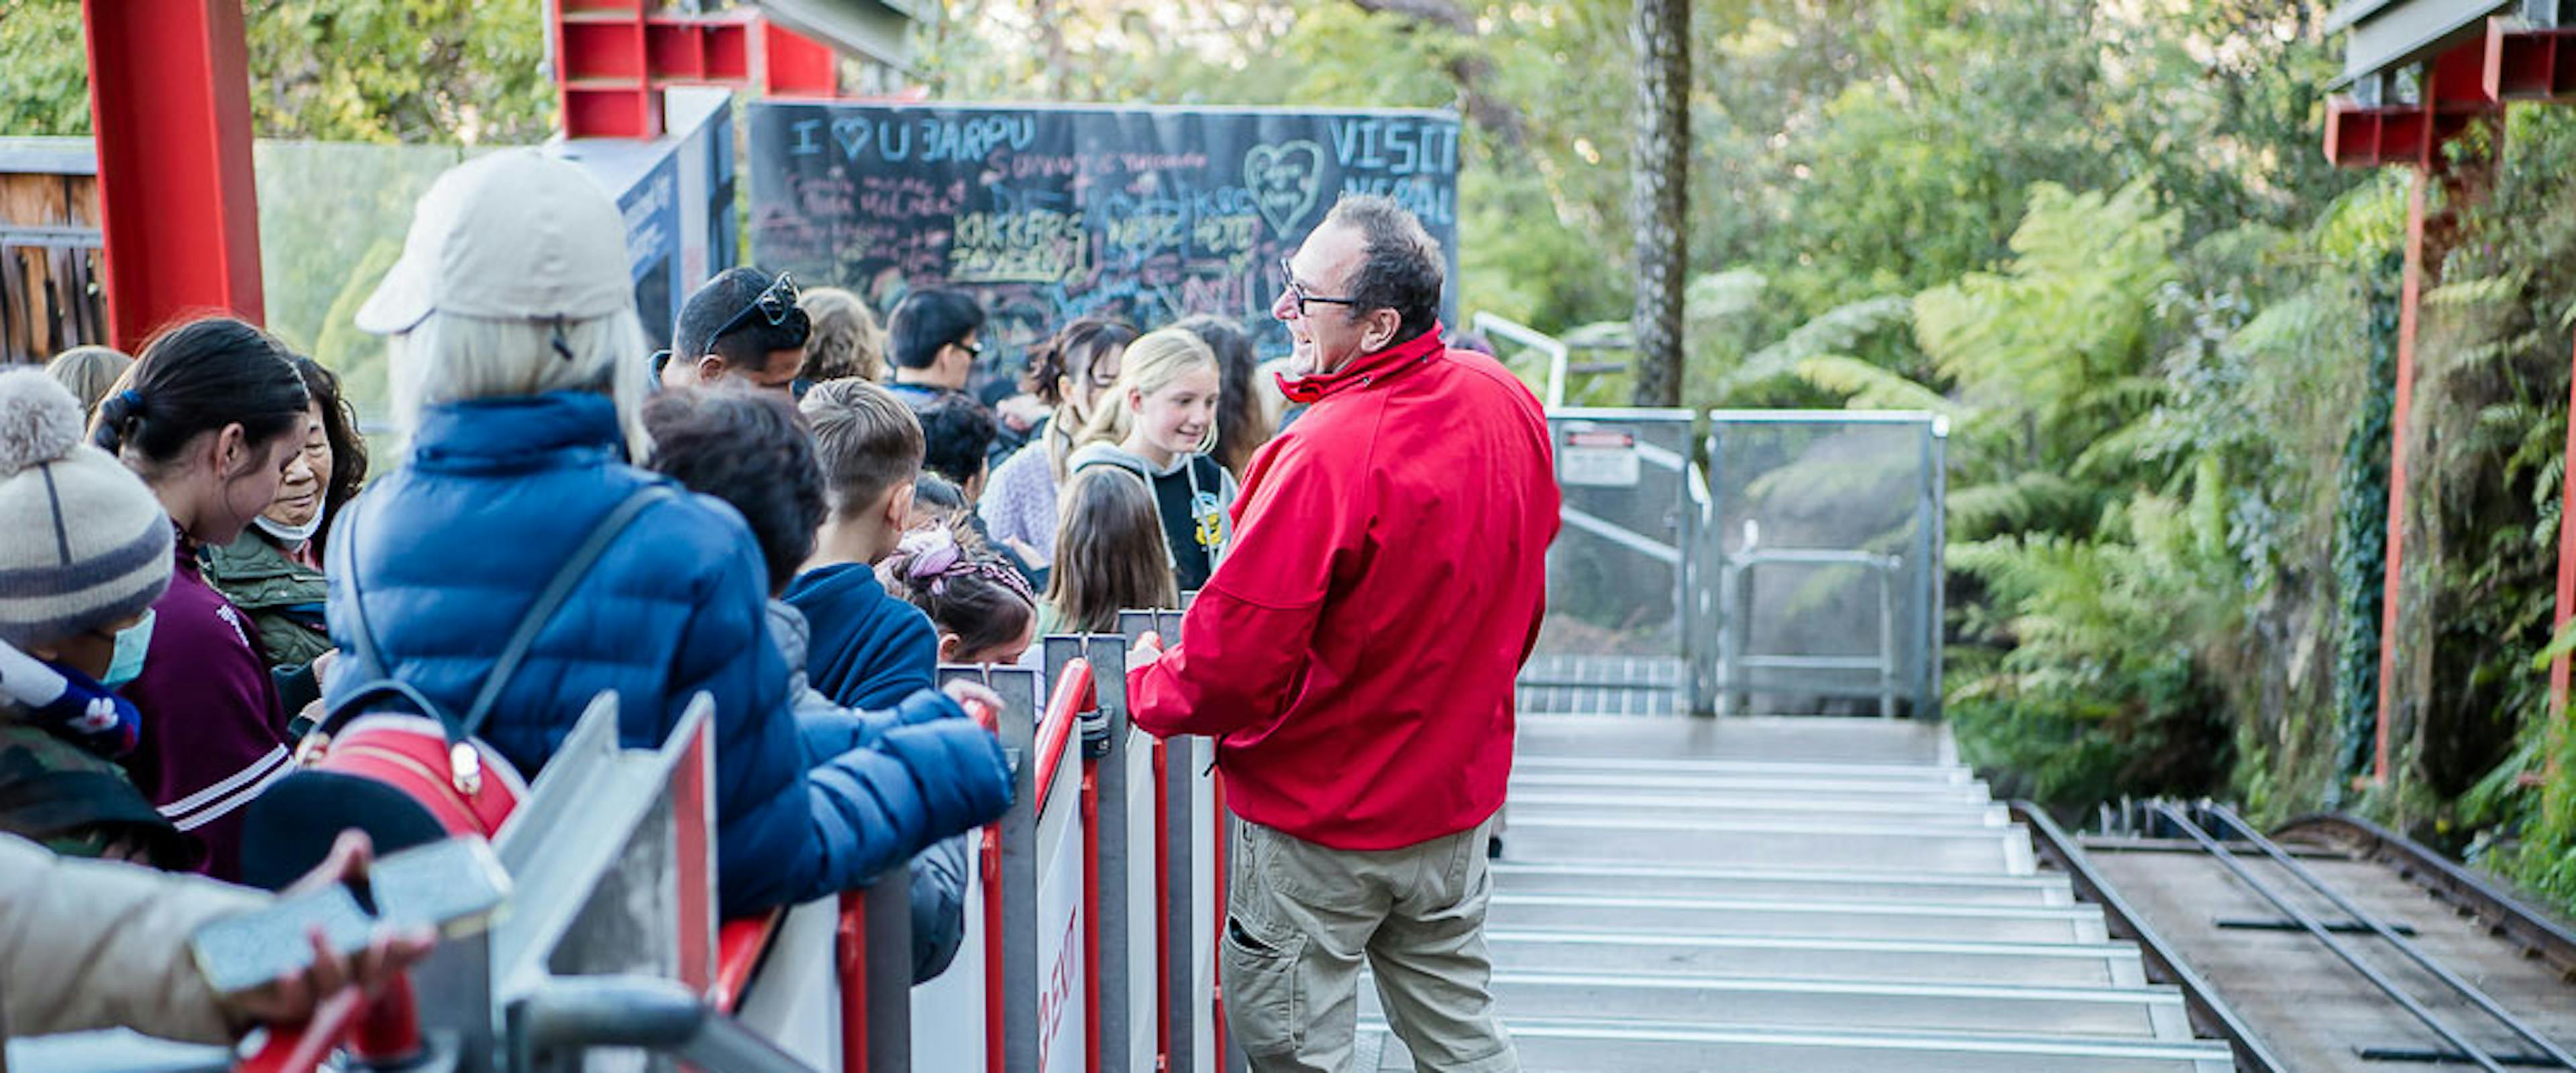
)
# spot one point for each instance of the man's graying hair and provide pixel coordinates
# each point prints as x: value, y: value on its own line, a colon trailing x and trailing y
x: 1401, y: 267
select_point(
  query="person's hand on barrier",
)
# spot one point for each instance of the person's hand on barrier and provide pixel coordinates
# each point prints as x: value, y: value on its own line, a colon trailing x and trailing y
x: 1148, y: 648
x: 970, y: 694
x: 291, y: 999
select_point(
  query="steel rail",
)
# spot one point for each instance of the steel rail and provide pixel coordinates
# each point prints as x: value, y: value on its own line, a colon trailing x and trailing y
x: 2427, y: 962
x: 2538, y: 934
x: 2207, y: 1011
x: 2377, y: 979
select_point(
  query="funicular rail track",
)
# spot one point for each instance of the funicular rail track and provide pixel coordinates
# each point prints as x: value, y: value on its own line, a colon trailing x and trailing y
x: 2332, y: 944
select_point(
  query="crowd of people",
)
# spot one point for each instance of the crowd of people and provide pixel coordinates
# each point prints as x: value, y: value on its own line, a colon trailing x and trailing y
x: 211, y: 597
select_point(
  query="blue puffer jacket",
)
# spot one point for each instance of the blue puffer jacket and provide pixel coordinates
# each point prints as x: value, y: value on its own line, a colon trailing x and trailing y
x: 451, y: 549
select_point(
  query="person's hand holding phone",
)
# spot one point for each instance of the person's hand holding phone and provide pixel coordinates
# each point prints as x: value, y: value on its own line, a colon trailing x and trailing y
x: 292, y: 998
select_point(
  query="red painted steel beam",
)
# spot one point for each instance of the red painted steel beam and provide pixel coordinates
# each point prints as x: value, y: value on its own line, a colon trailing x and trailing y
x: 2566, y: 563
x: 170, y: 105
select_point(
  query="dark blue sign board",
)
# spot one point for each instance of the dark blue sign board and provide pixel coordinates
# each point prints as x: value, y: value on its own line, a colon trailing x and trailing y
x: 1048, y: 214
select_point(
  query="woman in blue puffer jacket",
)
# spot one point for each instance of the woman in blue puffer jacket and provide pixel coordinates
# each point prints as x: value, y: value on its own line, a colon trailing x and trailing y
x: 517, y: 362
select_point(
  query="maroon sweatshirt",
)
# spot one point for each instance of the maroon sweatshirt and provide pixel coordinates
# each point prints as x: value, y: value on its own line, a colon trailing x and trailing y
x: 212, y: 734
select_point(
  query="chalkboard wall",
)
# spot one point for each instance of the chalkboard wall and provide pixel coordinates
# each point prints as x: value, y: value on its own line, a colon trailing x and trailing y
x: 1047, y: 214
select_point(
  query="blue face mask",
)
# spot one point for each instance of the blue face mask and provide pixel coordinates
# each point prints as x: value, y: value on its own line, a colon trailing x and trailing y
x: 131, y: 644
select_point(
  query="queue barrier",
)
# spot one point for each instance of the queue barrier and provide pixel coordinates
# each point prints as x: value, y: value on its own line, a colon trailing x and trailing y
x: 1093, y: 908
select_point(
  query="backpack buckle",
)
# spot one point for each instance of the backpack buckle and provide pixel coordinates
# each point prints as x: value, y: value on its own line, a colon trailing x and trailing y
x: 465, y: 768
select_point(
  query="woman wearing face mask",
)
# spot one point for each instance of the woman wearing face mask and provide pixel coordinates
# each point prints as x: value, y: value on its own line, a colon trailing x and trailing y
x: 1159, y: 421
x: 87, y: 550
x: 210, y: 417
x: 273, y: 571
x: 1072, y: 373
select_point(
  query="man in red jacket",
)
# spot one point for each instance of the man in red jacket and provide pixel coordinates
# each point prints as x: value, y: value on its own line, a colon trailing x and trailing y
x: 1354, y: 657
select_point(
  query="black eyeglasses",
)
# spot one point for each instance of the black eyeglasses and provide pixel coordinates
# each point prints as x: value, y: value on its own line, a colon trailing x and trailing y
x: 1297, y: 291
x: 775, y: 304
x: 974, y: 351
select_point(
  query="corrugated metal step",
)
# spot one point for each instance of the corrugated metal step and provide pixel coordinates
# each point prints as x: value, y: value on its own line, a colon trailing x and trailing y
x: 1816, y: 958
x: 1586, y: 1047
x: 1608, y: 805
x: 1846, y: 741
x: 1539, y: 777
x: 2141, y: 1013
x: 1755, y: 881
x: 1674, y: 763
x: 1851, y: 846
x: 1713, y: 916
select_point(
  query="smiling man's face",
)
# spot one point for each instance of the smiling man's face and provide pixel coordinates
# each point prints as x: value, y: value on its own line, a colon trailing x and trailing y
x: 1326, y: 336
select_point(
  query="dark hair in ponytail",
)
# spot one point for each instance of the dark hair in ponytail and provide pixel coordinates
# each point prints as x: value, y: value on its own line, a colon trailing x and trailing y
x: 199, y: 377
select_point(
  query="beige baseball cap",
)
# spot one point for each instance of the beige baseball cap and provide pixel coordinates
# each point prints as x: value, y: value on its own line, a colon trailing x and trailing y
x: 510, y: 235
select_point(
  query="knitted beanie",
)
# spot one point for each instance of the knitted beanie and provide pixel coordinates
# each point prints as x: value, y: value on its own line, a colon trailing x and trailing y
x: 82, y: 540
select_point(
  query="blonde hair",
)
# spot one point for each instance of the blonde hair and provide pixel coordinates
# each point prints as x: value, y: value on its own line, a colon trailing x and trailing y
x: 866, y: 440
x: 1109, y: 552
x: 1153, y: 361
x: 846, y: 341
x: 90, y: 371
x: 450, y: 357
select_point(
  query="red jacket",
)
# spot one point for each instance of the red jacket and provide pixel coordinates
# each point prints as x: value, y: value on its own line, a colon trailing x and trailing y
x: 1356, y: 649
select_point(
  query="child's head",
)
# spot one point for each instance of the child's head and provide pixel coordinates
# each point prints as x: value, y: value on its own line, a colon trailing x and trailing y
x: 956, y: 434
x: 869, y: 446
x: 211, y: 416
x: 981, y: 607
x: 1109, y: 552
x: 85, y: 544
x: 936, y: 504
x: 846, y: 341
x: 750, y: 450
x: 1164, y: 402
x: 1242, y: 422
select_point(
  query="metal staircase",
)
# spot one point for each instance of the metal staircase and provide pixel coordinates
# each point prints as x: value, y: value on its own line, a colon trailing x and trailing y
x: 1816, y: 895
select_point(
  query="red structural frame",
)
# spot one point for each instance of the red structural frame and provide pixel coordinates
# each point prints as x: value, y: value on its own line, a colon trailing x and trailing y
x: 613, y: 58
x: 2471, y: 80
x: 170, y: 104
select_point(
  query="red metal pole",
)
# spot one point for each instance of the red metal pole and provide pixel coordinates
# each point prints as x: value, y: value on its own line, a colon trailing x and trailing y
x: 2409, y: 300
x: 2566, y: 561
x: 170, y: 102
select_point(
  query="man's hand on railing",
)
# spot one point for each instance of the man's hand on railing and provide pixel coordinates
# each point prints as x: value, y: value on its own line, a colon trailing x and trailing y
x: 291, y: 999
x: 1148, y: 648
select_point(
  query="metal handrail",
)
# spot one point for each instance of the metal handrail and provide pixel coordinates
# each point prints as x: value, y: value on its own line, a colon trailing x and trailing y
x: 575, y: 1013
x: 1534, y: 339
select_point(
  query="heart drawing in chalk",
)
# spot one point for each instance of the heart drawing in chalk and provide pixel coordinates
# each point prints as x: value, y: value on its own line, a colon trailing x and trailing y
x: 1284, y: 180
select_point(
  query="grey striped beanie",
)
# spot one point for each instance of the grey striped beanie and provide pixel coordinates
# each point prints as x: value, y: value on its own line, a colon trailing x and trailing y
x: 82, y: 541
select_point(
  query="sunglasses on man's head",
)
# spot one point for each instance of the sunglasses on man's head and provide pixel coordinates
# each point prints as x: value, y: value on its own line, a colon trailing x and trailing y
x: 775, y: 304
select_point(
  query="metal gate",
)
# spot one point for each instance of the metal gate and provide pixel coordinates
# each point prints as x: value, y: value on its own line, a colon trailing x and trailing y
x: 1617, y: 638
x: 1823, y: 563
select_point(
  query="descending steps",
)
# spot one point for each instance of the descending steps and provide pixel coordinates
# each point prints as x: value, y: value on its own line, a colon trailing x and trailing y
x: 1810, y: 895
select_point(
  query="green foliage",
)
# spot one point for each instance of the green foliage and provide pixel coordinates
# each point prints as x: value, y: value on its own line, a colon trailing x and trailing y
x: 465, y: 71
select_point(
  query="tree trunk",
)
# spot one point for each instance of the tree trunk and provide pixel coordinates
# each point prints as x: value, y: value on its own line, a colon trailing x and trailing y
x: 1660, y: 195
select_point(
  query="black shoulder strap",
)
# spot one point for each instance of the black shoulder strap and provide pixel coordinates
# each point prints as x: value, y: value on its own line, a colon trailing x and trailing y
x: 551, y: 599
x: 523, y: 638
